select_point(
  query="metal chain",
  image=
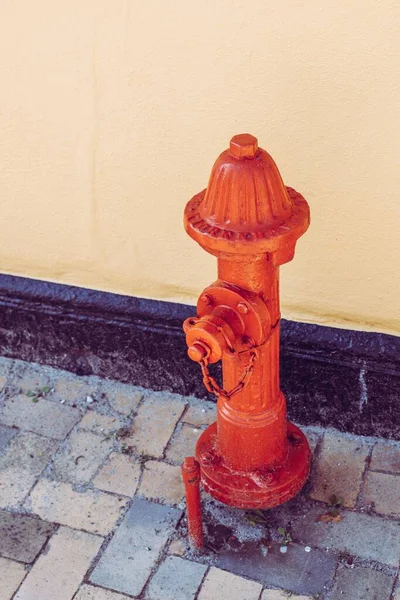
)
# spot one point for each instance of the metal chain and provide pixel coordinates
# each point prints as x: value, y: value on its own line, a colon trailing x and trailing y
x: 213, y: 387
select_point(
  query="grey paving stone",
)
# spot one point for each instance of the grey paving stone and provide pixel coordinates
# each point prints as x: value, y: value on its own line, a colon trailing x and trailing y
x: 29, y: 377
x: 43, y: 417
x: 362, y: 584
x: 183, y: 443
x: 81, y: 457
x: 382, y: 491
x: 221, y: 585
x: 92, y: 510
x: 122, y: 397
x: 120, y: 475
x: 176, y: 579
x: 6, y: 434
x: 100, y: 424
x: 26, y: 456
x: 127, y: 562
x: 339, y: 468
x: 386, y: 457
x: 284, y: 595
x: 200, y: 413
x: 313, y: 436
x: 162, y: 482
x: 22, y: 537
x: 369, y: 537
x: 74, y: 390
x: 11, y: 575
x: 58, y: 572
x: 90, y: 592
x: 154, y: 424
x: 298, y: 571
x: 5, y: 366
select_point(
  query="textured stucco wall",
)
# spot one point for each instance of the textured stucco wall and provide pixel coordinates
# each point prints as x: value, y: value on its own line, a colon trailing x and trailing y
x: 112, y: 113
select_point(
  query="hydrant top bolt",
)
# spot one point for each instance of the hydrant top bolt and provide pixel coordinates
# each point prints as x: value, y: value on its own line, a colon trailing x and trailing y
x: 243, y: 145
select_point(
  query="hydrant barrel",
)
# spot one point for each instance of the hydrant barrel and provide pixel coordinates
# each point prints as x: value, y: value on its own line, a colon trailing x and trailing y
x: 252, y: 457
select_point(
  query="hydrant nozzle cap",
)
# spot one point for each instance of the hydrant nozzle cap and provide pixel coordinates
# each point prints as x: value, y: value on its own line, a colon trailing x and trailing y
x: 243, y: 145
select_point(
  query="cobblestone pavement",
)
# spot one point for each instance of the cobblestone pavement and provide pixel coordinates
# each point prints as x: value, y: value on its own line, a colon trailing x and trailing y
x: 92, y: 508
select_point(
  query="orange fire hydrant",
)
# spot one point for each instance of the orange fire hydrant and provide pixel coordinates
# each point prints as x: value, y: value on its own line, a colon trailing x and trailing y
x: 252, y: 457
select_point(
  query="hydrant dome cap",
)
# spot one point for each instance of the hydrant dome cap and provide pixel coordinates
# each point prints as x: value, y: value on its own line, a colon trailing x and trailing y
x: 246, y: 201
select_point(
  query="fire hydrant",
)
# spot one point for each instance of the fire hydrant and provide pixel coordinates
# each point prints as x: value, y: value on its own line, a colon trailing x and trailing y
x: 251, y: 457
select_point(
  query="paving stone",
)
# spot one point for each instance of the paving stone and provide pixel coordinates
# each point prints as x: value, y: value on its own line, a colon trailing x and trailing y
x: 175, y: 579
x: 5, y: 365
x: 339, y: 469
x: 312, y: 436
x: 220, y: 585
x: 120, y: 475
x: 123, y: 398
x: 11, y: 575
x: 367, y: 536
x: 283, y: 595
x: 162, y: 482
x: 58, y: 572
x: 6, y: 434
x: 90, y: 592
x: 382, y: 491
x: 73, y: 390
x: 386, y: 457
x: 94, y: 511
x: 302, y: 572
x: 154, y: 424
x: 2, y: 382
x: 362, y: 584
x: 200, y: 413
x: 100, y: 424
x: 183, y: 444
x: 44, y: 417
x: 79, y: 460
x: 129, y: 558
x: 30, y: 378
x: 397, y: 594
x: 21, y: 464
x: 22, y: 537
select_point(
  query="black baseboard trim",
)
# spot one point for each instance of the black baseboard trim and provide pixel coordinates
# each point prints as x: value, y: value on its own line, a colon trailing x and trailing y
x: 332, y: 377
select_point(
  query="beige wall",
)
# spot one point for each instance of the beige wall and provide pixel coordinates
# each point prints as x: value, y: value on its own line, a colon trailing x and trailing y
x: 113, y: 111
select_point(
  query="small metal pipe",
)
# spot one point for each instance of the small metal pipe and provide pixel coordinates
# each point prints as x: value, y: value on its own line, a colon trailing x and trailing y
x: 191, y: 479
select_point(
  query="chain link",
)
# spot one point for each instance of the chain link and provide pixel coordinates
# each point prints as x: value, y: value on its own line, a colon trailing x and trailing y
x: 213, y: 387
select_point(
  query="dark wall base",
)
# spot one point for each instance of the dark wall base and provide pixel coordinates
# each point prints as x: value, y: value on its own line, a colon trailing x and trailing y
x: 331, y: 377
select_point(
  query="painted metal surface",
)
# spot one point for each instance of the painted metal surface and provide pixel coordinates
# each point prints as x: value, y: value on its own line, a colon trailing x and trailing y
x: 251, y: 457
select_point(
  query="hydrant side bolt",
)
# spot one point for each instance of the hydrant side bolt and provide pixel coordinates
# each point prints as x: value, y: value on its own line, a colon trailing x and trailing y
x: 243, y: 308
x: 251, y: 457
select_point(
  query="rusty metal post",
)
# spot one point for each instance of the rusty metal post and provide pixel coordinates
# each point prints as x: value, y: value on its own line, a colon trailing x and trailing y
x: 191, y: 479
x: 251, y: 457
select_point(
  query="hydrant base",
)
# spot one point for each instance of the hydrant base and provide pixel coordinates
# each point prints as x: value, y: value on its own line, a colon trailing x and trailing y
x: 260, y: 489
